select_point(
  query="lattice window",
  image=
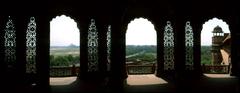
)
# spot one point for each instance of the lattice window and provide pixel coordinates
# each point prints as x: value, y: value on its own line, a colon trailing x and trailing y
x: 168, y: 47
x: 108, y: 47
x: 10, y: 43
x: 92, y: 47
x: 189, y: 46
x: 31, y: 46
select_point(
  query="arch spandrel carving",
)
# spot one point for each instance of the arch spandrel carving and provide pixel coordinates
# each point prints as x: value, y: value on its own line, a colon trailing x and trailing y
x: 92, y: 47
x: 31, y: 46
x: 168, y: 47
x: 10, y: 42
x: 188, y: 46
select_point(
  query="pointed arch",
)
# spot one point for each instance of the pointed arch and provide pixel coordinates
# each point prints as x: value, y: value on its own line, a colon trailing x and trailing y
x: 64, y: 35
x: 139, y: 32
x: 141, y: 47
x: 63, y: 22
x: 208, y: 26
x: 216, y: 46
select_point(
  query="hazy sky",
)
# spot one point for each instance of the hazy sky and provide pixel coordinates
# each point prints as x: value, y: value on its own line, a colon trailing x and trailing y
x: 141, y: 32
x: 206, y: 34
x: 64, y: 31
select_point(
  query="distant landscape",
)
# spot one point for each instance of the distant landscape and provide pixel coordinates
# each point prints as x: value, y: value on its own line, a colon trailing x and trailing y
x: 64, y: 50
x: 206, y: 56
x: 141, y: 54
x: 64, y: 55
x: 69, y: 55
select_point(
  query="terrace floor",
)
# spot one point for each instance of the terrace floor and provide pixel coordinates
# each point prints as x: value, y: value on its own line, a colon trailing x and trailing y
x: 151, y: 83
x: 55, y: 81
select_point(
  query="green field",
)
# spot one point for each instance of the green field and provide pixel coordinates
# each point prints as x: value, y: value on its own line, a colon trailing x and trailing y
x: 65, y: 56
x: 63, y: 51
x: 141, y: 54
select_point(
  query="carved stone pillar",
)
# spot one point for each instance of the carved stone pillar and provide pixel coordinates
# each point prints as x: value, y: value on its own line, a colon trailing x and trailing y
x: 84, y: 24
x: 9, y: 35
x: 30, y: 38
x: 102, y: 28
x: 234, y: 67
x: 197, y: 27
x: 21, y: 27
x: 42, y: 50
x: 118, y: 65
x: 179, y: 30
x: 159, y: 27
x: 3, y: 65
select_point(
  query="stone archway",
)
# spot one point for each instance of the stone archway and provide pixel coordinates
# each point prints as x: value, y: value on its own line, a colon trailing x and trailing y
x: 218, y: 44
x: 64, y: 50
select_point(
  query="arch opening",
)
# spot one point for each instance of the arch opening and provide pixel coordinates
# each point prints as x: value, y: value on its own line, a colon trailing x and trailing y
x: 141, y: 53
x: 64, y: 50
x: 216, y: 47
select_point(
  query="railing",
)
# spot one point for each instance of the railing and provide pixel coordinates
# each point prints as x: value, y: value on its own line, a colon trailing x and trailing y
x: 141, y: 69
x: 218, y: 69
x: 60, y: 71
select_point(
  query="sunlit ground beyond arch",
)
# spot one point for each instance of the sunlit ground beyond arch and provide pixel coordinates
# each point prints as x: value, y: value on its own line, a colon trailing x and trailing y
x: 62, y: 80
x: 147, y: 79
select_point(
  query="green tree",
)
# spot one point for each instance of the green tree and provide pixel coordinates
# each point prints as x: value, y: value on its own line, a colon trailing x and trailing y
x: 206, y: 54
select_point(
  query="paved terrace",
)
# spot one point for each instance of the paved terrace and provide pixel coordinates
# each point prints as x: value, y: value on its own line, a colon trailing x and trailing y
x: 151, y: 83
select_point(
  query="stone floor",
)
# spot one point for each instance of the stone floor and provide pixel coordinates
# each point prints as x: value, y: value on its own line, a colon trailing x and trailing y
x: 62, y: 80
x: 151, y: 83
x: 148, y: 79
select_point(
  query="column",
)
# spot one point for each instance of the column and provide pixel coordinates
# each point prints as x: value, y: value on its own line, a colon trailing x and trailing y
x: 179, y: 29
x: 197, y: 27
x: 2, y: 51
x: 159, y: 27
x: 42, y: 50
x: 84, y: 23
x: 235, y: 45
x: 118, y: 65
x: 102, y: 29
x: 21, y: 27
